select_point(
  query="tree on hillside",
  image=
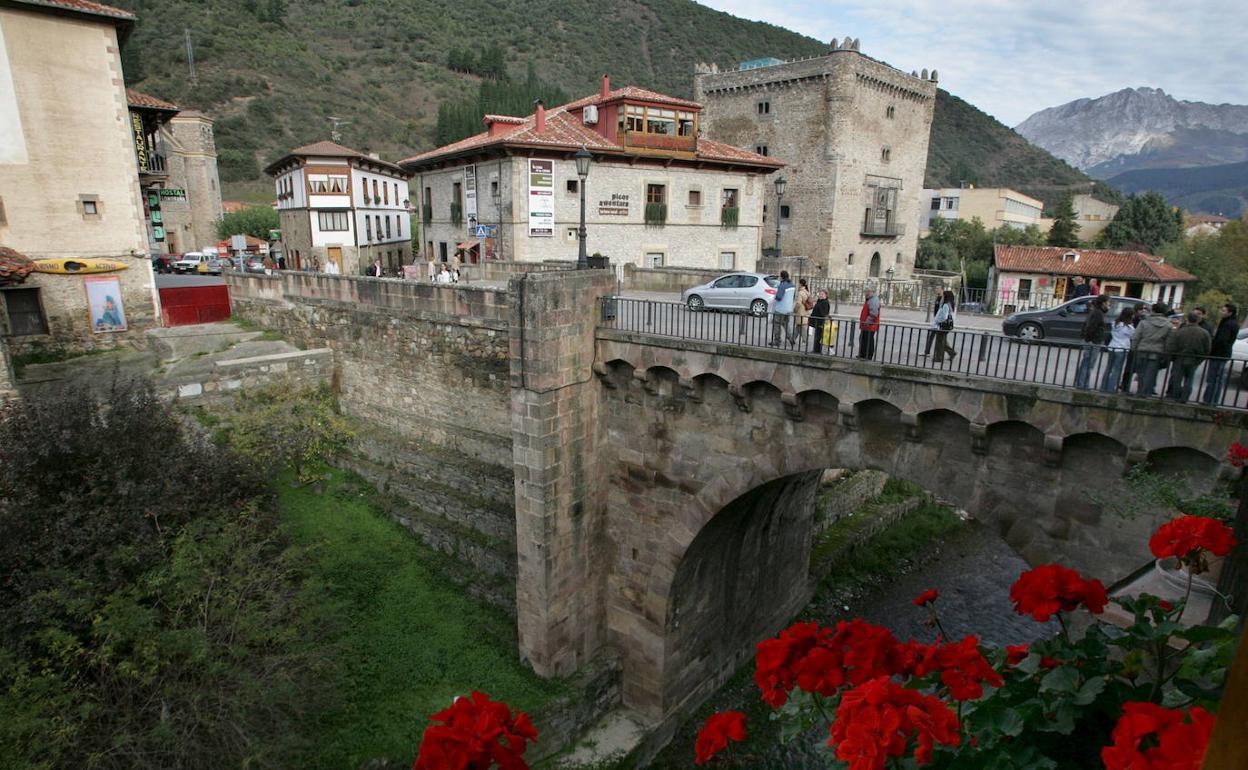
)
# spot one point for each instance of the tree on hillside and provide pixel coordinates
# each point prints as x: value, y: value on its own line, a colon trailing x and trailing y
x: 1219, y: 260
x: 1144, y: 220
x: 255, y: 221
x: 458, y: 120
x: 1065, y: 231
x: 958, y: 244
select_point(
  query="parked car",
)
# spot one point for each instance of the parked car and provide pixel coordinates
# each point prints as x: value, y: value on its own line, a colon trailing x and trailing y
x: 1063, y: 323
x: 163, y: 263
x: 253, y: 265
x: 752, y: 292
x: 190, y: 262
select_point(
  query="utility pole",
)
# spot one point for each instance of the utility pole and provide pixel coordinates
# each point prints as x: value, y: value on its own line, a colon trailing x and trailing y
x: 334, y: 134
x: 190, y: 55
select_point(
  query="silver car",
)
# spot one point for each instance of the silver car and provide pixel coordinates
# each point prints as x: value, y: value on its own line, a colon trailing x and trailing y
x: 752, y: 292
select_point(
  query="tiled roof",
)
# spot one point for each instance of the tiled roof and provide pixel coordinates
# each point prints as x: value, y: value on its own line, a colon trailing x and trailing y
x: 140, y: 99
x: 328, y: 149
x: 84, y: 6
x: 564, y: 130
x: 14, y: 266
x: 504, y: 119
x: 631, y: 92
x: 1094, y: 263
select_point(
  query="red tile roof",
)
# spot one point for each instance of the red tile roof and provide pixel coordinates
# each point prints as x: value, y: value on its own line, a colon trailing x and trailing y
x: 565, y: 130
x: 140, y: 99
x: 328, y: 149
x: 1094, y: 263
x: 83, y: 6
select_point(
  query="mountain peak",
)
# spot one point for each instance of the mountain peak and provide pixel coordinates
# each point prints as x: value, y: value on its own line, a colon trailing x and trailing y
x: 1089, y: 132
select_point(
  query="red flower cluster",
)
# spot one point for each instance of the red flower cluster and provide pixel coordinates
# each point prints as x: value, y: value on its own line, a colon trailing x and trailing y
x: 1238, y: 455
x: 475, y: 734
x: 926, y: 598
x: 1016, y: 653
x: 876, y: 720
x: 963, y: 668
x: 715, y: 734
x: 1049, y: 589
x: 1149, y: 737
x: 821, y: 660
x: 1184, y: 536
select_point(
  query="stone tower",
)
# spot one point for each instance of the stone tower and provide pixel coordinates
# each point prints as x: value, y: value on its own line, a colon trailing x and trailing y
x: 854, y: 133
x: 191, y: 221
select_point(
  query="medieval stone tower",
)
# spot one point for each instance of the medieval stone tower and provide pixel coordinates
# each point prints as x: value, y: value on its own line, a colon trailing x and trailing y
x: 191, y: 219
x: 854, y: 133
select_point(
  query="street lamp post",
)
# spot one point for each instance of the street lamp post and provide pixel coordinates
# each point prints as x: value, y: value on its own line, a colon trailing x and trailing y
x: 780, y: 185
x: 582, y: 158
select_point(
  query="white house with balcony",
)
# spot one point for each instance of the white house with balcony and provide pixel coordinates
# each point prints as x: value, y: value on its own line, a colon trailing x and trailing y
x: 337, y: 205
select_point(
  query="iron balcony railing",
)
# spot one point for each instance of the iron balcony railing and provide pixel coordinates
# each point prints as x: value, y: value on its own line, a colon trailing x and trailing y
x: 1218, y: 383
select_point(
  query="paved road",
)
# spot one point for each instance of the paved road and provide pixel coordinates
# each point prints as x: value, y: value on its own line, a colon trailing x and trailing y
x: 174, y: 280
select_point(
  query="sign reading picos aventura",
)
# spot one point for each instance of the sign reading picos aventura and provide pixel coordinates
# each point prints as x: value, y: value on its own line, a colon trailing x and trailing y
x: 615, y: 206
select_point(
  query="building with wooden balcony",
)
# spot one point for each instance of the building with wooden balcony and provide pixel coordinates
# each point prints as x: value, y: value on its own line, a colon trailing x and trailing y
x: 342, y: 207
x: 69, y: 180
x: 657, y: 192
x: 853, y: 132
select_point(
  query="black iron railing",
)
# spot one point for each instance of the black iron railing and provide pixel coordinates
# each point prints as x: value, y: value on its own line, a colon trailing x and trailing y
x: 1197, y: 380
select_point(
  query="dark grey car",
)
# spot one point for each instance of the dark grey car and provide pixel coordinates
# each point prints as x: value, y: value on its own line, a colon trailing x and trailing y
x: 1063, y: 323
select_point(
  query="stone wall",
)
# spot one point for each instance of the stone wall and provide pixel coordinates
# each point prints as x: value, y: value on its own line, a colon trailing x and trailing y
x: 7, y: 388
x: 428, y: 361
x: 496, y: 270
x: 300, y: 368
x: 665, y: 279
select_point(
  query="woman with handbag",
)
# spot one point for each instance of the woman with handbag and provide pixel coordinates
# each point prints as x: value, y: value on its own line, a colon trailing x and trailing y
x: 942, y: 324
x: 818, y: 317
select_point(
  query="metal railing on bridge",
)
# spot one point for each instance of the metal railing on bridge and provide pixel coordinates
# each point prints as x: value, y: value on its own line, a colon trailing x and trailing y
x: 1199, y: 380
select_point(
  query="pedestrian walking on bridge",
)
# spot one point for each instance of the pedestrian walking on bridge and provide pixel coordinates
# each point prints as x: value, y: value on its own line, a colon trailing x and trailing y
x: 942, y: 324
x: 782, y: 311
x: 818, y: 318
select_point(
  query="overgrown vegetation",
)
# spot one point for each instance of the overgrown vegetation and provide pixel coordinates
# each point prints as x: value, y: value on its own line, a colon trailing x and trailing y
x: 255, y: 221
x: 961, y: 245
x: 1220, y: 262
x: 161, y: 607
x: 498, y: 96
x: 1144, y: 222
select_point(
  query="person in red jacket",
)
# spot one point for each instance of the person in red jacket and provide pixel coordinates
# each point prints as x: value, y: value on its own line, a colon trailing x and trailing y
x: 868, y: 324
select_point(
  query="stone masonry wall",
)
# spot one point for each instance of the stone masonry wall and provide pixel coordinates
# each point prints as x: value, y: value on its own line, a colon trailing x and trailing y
x: 665, y: 279
x: 428, y: 361
x: 299, y: 368
x: 560, y: 468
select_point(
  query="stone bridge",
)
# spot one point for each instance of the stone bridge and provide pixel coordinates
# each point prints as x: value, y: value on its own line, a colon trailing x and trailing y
x: 663, y: 489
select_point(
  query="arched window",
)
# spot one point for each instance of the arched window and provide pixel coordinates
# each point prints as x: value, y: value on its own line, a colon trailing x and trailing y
x: 875, y: 265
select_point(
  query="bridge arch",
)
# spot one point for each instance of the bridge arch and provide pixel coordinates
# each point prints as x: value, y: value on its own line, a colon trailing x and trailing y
x: 705, y: 506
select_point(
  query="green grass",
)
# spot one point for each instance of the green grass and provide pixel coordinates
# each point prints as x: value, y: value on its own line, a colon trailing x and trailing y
x: 53, y: 356
x: 408, y: 641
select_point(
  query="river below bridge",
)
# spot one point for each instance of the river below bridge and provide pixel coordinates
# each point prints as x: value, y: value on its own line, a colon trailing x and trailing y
x: 972, y: 568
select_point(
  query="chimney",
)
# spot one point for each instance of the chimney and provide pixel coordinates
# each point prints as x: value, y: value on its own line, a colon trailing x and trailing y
x: 606, y: 86
x: 541, y: 116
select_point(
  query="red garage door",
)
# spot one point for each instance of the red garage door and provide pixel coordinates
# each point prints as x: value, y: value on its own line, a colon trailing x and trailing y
x: 194, y: 305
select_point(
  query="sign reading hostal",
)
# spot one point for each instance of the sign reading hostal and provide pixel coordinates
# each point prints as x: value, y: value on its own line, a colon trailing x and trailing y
x: 541, y: 198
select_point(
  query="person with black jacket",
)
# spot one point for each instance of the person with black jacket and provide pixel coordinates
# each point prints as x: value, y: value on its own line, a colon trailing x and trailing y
x: 1093, y: 336
x: 818, y: 317
x: 1220, y: 353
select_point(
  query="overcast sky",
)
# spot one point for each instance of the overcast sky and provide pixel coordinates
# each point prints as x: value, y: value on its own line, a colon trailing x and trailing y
x: 1011, y: 58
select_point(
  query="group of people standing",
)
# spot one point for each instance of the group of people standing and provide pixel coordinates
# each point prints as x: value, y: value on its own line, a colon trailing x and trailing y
x: 795, y: 309
x: 1145, y: 342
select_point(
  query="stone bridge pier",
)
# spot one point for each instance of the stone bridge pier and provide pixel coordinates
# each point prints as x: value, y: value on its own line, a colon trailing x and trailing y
x: 664, y: 488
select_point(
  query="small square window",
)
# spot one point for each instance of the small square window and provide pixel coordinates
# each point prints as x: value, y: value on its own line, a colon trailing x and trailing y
x: 764, y: 108
x: 695, y: 197
x: 784, y: 211
x: 761, y: 149
x: 89, y: 208
x: 574, y: 186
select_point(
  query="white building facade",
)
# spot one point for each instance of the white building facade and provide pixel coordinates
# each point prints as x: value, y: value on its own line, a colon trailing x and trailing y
x: 342, y: 207
x: 656, y: 193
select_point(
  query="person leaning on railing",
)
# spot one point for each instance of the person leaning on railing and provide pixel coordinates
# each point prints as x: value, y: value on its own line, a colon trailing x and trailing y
x: 1119, y: 346
x: 1188, y: 346
x: 1093, y: 335
x: 1220, y: 350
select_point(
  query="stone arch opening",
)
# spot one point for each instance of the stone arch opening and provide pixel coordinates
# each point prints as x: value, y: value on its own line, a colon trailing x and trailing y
x: 875, y: 265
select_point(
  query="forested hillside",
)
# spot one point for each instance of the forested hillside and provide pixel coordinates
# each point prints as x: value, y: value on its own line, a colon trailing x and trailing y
x: 273, y: 72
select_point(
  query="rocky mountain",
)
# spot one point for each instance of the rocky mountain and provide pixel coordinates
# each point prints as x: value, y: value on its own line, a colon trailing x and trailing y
x: 1144, y: 127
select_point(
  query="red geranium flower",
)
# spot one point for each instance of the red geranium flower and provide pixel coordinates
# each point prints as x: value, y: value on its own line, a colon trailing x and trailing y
x: 1187, y: 536
x: 926, y: 598
x: 963, y: 669
x: 475, y: 734
x: 1047, y: 662
x: 776, y: 660
x: 820, y: 660
x: 876, y: 721
x: 1149, y: 737
x: 1015, y: 653
x: 715, y: 734
x: 1049, y: 589
x: 1238, y: 455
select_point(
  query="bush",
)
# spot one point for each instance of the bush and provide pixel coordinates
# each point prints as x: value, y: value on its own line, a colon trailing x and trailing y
x: 283, y: 427
x: 151, y: 613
